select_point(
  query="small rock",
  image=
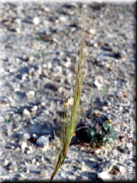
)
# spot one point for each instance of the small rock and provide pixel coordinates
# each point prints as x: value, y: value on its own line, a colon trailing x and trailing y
x: 22, y: 175
x: 30, y: 94
x: 18, y: 30
x: 24, y: 76
x: 43, y: 141
x: 17, y: 89
x: 82, y: 148
x: 45, y: 72
x: 43, y: 104
x: 25, y: 136
x: 4, y: 101
x: 95, y: 45
x: 23, y: 146
x: 105, y: 108
x: 98, y: 82
x: 121, y: 169
x: 62, y: 18
x: 91, y: 31
x: 34, y: 109
x: 51, y: 86
x: 67, y: 62
x: 90, y: 42
x: 2, y: 70
x: 84, y: 168
x: 12, y: 101
x: 69, y: 102
x: 31, y: 71
x: 26, y: 113
x: 34, y: 136
x: 29, y: 150
x: 31, y: 59
x: 97, y: 113
x: 37, y: 163
x: 4, y: 162
x: 36, y: 20
x: 47, y: 66
x: 104, y: 176
x: 46, y: 9
x: 61, y: 89
x: 121, y: 108
x: 33, y: 161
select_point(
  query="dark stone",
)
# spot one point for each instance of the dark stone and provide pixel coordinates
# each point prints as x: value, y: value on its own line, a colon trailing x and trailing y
x: 83, y: 134
x: 51, y: 86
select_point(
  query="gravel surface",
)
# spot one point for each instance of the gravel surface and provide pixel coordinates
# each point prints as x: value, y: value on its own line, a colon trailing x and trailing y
x: 38, y: 57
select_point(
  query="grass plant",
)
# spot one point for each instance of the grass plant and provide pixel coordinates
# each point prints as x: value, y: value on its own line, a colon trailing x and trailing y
x: 98, y: 135
x: 70, y: 124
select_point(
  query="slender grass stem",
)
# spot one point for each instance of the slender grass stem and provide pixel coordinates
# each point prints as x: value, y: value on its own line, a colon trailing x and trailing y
x: 70, y: 125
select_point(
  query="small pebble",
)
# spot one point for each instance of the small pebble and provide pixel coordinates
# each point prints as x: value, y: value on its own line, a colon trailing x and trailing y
x: 26, y: 113
x: 98, y: 82
x: 36, y: 20
x: 84, y: 168
x: 34, y: 109
x: 22, y: 175
x: 4, y: 162
x: 34, y: 136
x: 104, y: 175
x: 33, y: 161
x: 12, y: 101
x: 92, y: 31
x: 25, y: 136
x: 62, y: 18
x: 31, y: 71
x: 4, y: 101
x: 23, y: 146
x: 43, y: 104
x: 30, y: 94
x: 24, y: 76
x: 43, y: 141
x: 121, y: 169
x: 69, y: 102
x: 105, y: 108
x: 29, y: 150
